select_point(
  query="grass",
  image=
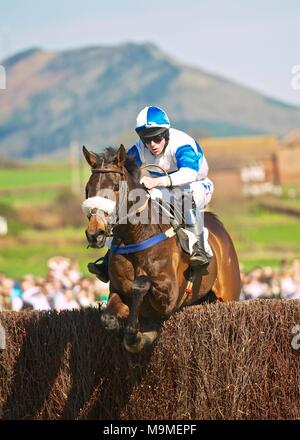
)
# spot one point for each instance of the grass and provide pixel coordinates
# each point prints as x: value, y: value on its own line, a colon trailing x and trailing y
x: 23, y: 199
x: 39, y: 182
x: 18, y: 178
x: 31, y: 257
x: 261, y: 237
x: 248, y: 264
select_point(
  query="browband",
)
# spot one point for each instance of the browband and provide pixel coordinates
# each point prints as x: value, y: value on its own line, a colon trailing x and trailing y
x: 107, y: 170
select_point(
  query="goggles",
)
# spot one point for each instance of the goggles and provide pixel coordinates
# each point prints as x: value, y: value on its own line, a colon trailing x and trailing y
x: 156, y: 139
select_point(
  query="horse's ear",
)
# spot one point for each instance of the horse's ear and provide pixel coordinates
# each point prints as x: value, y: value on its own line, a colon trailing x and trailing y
x: 121, y: 155
x: 91, y: 157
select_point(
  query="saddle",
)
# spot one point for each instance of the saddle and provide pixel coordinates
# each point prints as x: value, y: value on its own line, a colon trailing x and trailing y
x: 186, y: 238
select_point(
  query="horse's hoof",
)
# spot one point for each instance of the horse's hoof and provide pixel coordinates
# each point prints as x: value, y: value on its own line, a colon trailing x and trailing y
x: 133, y: 344
x: 141, y: 340
x: 131, y: 331
x: 110, y: 322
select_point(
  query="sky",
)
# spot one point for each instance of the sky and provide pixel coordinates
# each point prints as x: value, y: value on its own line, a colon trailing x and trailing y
x: 254, y: 42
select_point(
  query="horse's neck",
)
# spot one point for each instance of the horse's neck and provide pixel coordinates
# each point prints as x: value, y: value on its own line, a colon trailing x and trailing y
x: 130, y: 234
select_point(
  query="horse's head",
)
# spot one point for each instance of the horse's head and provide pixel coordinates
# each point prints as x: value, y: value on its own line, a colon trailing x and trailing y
x: 103, y: 192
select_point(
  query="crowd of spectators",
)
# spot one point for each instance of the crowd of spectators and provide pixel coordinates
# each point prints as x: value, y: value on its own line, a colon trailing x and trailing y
x: 266, y: 282
x: 64, y: 287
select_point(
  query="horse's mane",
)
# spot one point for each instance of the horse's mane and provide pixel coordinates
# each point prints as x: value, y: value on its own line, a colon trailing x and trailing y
x: 131, y: 167
x: 109, y: 156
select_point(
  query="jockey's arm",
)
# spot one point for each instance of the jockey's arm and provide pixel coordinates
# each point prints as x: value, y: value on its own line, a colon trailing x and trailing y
x: 181, y: 177
x: 187, y: 161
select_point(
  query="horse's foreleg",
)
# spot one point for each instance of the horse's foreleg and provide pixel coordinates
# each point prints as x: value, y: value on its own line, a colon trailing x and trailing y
x: 115, y: 310
x: 140, y: 288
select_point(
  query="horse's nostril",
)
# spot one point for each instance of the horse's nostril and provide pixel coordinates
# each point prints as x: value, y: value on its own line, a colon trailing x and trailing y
x: 98, y: 234
x: 90, y: 237
x: 96, y: 237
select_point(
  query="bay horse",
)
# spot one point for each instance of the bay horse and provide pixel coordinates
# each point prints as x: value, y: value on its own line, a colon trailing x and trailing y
x: 151, y: 283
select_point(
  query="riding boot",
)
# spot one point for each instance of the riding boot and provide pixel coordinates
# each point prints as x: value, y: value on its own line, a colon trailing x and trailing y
x: 199, y: 258
x: 100, y: 269
x: 194, y: 219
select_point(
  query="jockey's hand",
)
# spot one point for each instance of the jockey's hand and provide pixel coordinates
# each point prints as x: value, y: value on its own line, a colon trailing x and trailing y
x: 149, y: 182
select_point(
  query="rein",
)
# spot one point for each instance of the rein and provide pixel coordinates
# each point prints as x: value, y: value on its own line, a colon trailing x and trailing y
x: 144, y: 167
x: 136, y: 247
x: 158, y: 238
x: 122, y: 173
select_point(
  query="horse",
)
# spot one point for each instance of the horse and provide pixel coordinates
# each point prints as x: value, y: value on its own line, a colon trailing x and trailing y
x: 150, y: 283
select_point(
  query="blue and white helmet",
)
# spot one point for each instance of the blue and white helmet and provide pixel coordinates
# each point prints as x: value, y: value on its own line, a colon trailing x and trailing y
x: 150, y: 118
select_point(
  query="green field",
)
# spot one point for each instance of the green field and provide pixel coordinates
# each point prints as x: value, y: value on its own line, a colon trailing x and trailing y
x: 261, y: 237
x: 32, y: 256
x: 41, y: 175
x: 22, y: 199
x: 40, y: 183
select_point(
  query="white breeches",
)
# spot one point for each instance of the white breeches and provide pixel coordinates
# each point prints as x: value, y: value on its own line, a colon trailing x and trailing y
x: 196, y: 194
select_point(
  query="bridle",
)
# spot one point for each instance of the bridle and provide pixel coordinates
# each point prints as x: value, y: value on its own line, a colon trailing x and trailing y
x: 122, y: 174
x: 108, y: 170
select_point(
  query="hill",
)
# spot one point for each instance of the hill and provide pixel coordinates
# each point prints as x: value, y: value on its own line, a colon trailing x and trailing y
x: 92, y: 96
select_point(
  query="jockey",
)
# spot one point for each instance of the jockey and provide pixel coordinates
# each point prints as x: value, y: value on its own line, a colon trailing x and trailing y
x: 181, y: 156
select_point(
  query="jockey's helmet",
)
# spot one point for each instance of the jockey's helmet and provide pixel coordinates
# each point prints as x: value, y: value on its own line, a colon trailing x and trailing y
x: 152, y: 121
